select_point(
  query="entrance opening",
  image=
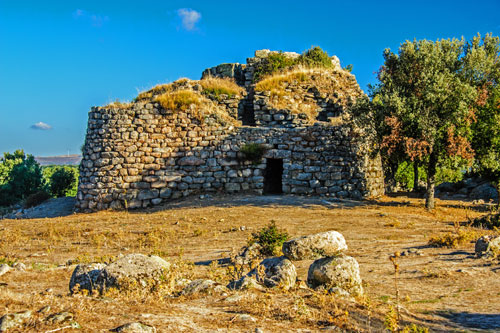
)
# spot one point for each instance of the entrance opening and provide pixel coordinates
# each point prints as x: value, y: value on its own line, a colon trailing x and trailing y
x: 273, y: 176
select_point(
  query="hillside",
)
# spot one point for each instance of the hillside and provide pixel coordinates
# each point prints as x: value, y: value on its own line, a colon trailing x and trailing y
x: 59, y: 160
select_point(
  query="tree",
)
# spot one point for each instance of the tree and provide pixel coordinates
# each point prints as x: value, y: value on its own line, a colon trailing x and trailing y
x: 61, y: 181
x: 486, y: 130
x: 427, y: 100
x: 21, y: 177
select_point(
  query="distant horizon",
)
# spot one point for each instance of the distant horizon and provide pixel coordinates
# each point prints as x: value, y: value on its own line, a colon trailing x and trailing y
x: 63, y: 59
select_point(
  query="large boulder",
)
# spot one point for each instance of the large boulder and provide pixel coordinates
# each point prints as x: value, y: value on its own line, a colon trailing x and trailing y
x: 85, y: 277
x: 485, y: 191
x: 130, y: 269
x: 339, y: 272
x: 325, y: 244
x: 274, y: 272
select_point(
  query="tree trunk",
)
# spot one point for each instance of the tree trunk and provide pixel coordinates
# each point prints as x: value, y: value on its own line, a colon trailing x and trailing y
x: 415, y: 177
x: 431, y: 179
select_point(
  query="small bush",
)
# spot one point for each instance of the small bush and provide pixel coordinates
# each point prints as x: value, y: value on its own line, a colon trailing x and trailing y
x: 215, y: 87
x: 36, y: 198
x: 178, y: 100
x: 316, y: 57
x: 278, y: 62
x: 253, y: 152
x: 454, y: 239
x: 62, y: 181
x: 270, y: 238
x: 489, y: 221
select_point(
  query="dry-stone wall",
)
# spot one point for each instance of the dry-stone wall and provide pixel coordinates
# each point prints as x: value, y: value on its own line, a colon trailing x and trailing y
x: 142, y: 154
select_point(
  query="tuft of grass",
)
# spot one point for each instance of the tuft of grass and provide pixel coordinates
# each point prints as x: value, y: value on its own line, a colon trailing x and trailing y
x: 460, y: 236
x: 276, y: 83
x: 253, y: 152
x: 178, y: 100
x: 119, y: 105
x: 216, y: 87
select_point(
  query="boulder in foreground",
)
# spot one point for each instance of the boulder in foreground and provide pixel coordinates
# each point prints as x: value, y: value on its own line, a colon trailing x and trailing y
x: 324, y: 244
x: 339, y: 272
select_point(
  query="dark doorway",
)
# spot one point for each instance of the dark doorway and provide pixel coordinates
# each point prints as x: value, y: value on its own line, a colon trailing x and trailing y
x: 273, y: 176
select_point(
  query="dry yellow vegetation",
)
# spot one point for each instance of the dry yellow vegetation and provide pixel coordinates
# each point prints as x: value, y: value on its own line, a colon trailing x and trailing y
x: 192, y: 231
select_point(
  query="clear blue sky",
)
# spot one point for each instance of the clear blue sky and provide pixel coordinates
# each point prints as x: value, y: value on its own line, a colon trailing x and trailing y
x: 59, y: 58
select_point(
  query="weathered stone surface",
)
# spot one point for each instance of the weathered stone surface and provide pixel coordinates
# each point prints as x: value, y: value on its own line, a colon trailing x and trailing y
x: 134, y: 328
x: 488, y: 245
x: 144, y: 155
x: 190, y: 160
x: 4, y: 268
x: 340, y: 271
x: 203, y: 286
x: 484, y: 191
x: 245, y: 283
x: 276, y: 272
x: 13, y: 320
x: 248, y: 254
x: 85, y: 275
x: 315, y: 246
x: 133, y: 267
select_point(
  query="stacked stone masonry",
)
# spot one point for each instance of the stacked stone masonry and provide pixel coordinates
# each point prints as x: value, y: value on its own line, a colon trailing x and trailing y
x: 143, y: 155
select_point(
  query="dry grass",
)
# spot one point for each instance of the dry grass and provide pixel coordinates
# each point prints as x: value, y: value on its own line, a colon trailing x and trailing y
x: 119, y: 105
x: 216, y: 87
x: 327, y: 81
x: 179, y: 100
x: 460, y: 236
x: 184, y: 235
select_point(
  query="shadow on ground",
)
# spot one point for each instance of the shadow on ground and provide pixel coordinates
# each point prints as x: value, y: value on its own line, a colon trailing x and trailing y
x: 483, y: 321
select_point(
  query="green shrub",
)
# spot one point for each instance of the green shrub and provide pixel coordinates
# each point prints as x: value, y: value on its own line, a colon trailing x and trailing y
x: 253, y: 152
x: 36, y: 198
x: 315, y: 57
x: 20, y: 176
x: 62, y: 181
x: 270, y: 238
x: 276, y: 62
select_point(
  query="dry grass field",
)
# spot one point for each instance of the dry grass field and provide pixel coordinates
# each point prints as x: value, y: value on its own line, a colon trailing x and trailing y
x: 443, y: 289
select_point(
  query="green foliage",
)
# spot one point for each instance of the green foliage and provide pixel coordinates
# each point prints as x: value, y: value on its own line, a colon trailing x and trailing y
x: 486, y: 130
x: 348, y: 68
x: 315, y: 57
x: 253, y: 152
x: 21, y: 177
x: 405, y: 175
x: 36, y: 198
x: 63, y: 181
x: 276, y: 62
x: 423, y: 107
x: 270, y: 238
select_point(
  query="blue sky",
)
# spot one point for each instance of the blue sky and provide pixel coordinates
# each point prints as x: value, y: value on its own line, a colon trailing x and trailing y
x: 59, y: 58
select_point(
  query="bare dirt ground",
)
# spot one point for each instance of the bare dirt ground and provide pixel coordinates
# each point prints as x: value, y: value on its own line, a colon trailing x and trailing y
x: 444, y: 289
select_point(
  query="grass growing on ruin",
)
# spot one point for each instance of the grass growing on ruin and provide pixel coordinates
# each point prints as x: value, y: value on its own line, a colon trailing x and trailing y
x: 216, y: 87
x: 178, y: 100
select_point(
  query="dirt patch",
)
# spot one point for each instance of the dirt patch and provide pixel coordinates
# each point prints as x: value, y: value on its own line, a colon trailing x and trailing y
x: 444, y: 289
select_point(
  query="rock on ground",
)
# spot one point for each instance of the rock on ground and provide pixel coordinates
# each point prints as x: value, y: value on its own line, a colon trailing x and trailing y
x: 325, y: 244
x: 488, y: 245
x: 340, y: 271
x: 4, y: 268
x: 85, y: 276
x: 245, y: 283
x: 248, y: 254
x: 135, y: 328
x: 132, y: 268
x: 13, y: 320
x: 273, y: 272
x: 203, y: 286
x: 484, y: 191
